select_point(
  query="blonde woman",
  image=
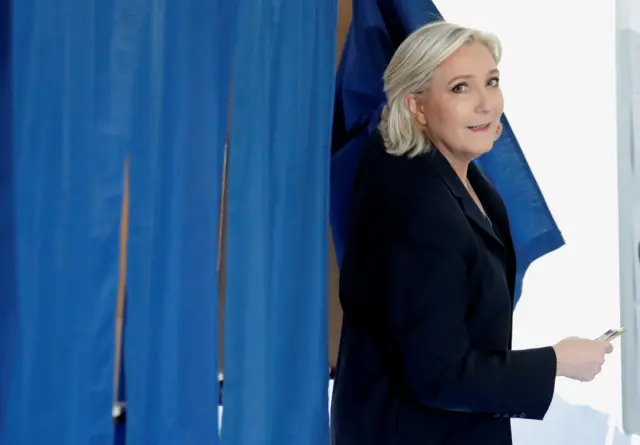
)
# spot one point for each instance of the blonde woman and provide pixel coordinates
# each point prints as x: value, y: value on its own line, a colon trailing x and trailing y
x: 427, y: 279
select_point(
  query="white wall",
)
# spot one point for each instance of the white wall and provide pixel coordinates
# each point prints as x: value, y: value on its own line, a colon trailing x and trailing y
x: 558, y: 77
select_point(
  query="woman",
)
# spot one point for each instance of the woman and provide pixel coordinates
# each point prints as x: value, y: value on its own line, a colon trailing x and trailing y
x: 427, y: 279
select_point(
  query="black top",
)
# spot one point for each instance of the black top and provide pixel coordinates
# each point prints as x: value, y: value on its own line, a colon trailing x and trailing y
x: 426, y: 287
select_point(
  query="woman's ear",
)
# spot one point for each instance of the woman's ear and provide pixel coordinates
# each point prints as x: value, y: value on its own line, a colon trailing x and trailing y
x: 415, y: 108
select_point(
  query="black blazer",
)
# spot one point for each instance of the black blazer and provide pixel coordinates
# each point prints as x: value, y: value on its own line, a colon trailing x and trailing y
x: 426, y: 287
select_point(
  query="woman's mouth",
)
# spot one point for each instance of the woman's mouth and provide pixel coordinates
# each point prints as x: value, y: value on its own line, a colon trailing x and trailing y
x: 480, y: 128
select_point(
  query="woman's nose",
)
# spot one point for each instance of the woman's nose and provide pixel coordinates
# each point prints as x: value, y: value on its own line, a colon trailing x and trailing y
x: 483, y: 104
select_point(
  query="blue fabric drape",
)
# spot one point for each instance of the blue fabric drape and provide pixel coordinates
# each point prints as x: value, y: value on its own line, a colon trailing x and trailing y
x: 179, y: 73
x: 378, y: 27
x: 9, y: 327
x: 67, y: 171
x: 276, y: 357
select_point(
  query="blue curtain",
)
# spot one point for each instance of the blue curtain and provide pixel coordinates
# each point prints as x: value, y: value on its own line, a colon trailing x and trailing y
x: 377, y: 29
x: 176, y: 62
x: 9, y: 328
x: 276, y: 357
x: 66, y: 163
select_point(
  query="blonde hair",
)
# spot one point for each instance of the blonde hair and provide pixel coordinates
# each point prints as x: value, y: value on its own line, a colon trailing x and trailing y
x: 410, y: 71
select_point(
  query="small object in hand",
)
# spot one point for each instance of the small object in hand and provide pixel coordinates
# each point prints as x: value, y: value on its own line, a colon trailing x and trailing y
x: 612, y: 334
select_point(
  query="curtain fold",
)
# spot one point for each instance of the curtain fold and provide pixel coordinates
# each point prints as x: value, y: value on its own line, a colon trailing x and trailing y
x: 276, y: 367
x: 9, y: 315
x: 180, y: 56
x: 66, y: 166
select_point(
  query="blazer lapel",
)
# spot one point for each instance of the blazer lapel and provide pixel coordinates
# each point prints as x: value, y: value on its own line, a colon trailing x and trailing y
x: 490, y: 199
x: 469, y: 207
x: 476, y: 216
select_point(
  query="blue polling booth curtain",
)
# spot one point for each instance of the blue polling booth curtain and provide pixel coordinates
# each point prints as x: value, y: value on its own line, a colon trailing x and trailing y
x: 9, y: 328
x: 67, y: 157
x: 178, y: 56
x: 377, y: 28
x: 276, y: 354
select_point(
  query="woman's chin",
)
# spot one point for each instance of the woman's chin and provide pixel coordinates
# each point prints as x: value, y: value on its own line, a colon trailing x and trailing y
x: 475, y: 152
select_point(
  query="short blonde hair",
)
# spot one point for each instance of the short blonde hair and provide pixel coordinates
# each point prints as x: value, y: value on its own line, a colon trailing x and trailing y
x: 410, y: 71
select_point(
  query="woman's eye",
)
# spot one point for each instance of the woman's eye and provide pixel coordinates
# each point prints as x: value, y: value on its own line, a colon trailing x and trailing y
x: 460, y: 88
x: 494, y: 82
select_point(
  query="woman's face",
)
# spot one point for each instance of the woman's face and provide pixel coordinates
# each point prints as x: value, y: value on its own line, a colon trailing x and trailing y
x: 461, y: 109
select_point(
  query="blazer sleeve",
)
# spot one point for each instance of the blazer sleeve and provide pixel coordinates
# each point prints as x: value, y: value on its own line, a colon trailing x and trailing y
x: 427, y: 292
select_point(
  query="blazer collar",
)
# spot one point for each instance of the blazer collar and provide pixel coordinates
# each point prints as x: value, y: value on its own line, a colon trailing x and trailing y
x: 457, y: 188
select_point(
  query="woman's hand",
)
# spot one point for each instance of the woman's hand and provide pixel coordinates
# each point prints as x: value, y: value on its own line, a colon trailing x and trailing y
x: 580, y: 358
